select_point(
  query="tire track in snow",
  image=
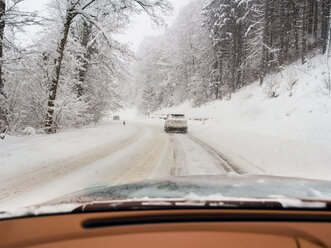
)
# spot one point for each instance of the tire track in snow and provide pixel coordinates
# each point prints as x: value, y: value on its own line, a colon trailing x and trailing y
x: 228, y: 166
x: 176, y: 158
x: 142, y: 165
x: 195, y: 158
x: 36, y: 178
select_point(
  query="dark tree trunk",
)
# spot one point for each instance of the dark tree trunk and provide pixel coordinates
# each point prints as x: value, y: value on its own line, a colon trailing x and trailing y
x: 220, y: 78
x: 304, y: 32
x: 234, y: 61
x: 2, y: 31
x: 282, y: 34
x: 310, y: 23
x: 57, y: 70
x: 316, y: 21
x: 296, y: 26
x: 288, y: 43
x: 265, y: 38
x: 239, y: 55
x: 310, y: 15
x: 325, y: 24
x: 216, y: 89
x: 86, y: 37
x: 3, y: 113
x: 271, y: 62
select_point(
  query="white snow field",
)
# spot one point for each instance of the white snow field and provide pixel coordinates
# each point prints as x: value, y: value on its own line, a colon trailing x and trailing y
x: 253, y: 133
x: 287, y: 135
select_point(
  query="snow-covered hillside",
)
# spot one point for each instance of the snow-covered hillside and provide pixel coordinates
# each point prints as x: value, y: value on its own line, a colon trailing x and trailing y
x: 21, y: 155
x: 283, y: 127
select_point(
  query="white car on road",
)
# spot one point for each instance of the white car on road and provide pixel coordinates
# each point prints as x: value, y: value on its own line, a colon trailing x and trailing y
x: 176, y: 122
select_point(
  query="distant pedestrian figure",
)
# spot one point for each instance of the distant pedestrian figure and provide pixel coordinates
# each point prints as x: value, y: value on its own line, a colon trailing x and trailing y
x: 123, y: 123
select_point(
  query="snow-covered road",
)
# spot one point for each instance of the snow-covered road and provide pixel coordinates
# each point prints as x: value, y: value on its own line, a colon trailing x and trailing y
x: 137, y: 152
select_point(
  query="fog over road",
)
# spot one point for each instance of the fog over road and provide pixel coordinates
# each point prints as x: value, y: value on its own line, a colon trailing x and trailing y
x: 147, y: 153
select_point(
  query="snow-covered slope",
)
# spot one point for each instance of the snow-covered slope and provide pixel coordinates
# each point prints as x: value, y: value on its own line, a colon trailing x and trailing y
x: 283, y: 127
x: 21, y: 155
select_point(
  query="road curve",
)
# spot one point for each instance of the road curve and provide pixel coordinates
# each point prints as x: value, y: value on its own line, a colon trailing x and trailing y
x: 150, y: 153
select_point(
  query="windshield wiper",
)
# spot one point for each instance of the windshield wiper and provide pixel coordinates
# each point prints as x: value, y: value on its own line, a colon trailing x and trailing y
x: 169, y: 204
x: 267, y: 204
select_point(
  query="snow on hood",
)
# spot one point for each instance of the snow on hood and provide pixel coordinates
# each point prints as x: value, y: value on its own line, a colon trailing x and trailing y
x: 39, y: 210
x: 210, y: 191
x: 210, y: 188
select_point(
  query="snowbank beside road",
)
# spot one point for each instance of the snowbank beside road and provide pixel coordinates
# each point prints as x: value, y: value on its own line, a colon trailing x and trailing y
x: 284, y: 127
x: 22, y: 154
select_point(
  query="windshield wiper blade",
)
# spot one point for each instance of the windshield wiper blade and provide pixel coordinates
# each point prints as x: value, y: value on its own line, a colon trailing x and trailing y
x: 168, y: 204
x: 159, y: 204
x: 176, y: 204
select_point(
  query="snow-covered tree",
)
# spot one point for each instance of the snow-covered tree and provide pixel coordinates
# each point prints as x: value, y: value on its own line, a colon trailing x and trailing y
x: 216, y: 47
x: 101, y: 14
x: 177, y: 61
x: 12, y: 18
x: 148, y: 104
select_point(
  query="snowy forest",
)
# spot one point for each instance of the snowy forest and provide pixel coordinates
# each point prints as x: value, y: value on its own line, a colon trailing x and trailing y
x: 215, y: 47
x: 73, y: 73
x: 69, y: 76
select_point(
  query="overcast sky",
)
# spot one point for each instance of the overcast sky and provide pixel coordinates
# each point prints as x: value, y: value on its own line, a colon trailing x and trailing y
x: 142, y: 26
x: 139, y: 29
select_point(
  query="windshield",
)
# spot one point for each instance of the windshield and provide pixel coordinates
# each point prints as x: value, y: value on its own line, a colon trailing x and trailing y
x: 168, y: 100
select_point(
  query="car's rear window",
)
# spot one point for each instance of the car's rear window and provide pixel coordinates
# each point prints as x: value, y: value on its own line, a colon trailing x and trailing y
x: 177, y: 116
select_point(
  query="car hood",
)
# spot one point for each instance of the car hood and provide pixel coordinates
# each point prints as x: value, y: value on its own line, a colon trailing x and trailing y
x: 227, y: 191
x: 209, y: 188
